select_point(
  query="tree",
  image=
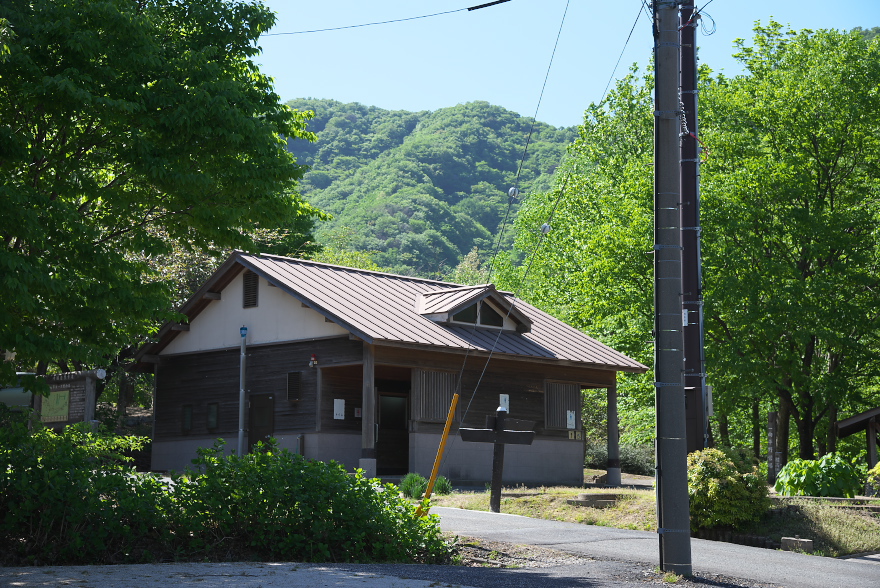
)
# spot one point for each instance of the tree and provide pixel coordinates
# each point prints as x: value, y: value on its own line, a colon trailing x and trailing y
x: 591, y: 269
x: 791, y: 209
x: 125, y: 127
x: 790, y: 233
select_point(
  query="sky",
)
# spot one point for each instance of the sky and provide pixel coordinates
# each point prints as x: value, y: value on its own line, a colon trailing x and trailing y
x: 501, y: 53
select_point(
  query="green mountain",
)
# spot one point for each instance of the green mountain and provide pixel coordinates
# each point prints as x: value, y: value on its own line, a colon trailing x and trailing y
x: 422, y: 189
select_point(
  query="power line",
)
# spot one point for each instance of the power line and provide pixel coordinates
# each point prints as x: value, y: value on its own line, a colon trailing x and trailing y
x: 628, y: 37
x: 369, y: 24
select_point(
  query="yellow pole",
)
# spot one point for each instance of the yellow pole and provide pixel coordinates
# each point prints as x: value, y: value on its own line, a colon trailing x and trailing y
x: 439, y: 457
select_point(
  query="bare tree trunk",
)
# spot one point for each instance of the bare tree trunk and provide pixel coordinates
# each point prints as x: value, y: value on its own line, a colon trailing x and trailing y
x: 831, y: 446
x: 723, y: 430
x: 756, y: 430
x: 783, y: 431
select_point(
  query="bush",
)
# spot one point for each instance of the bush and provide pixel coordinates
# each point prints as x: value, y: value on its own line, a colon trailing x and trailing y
x: 442, y: 485
x: 70, y: 498
x: 634, y: 459
x: 872, y: 486
x: 831, y: 475
x: 283, y: 506
x: 413, y: 485
x: 724, y: 491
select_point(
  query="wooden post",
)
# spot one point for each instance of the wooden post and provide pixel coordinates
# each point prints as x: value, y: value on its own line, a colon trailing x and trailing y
x: 871, y: 436
x: 613, y: 467
x: 497, y: 462
x: 368, y: 413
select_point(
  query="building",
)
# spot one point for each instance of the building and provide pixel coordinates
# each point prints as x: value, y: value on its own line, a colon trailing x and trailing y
x: 360, y: 367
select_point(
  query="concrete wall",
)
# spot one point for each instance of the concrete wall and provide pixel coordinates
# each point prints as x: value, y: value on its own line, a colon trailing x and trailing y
x: 177, y: 455
x: 278, y: 317
x: 544, y: 462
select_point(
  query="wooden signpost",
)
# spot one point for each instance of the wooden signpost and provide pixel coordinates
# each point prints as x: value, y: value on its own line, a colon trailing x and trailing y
x: 498, y: 432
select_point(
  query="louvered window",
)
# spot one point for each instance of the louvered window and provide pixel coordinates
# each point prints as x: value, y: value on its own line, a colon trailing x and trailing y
x: 186, y: 418
x: 294, y: 386
x: 432, y: 394
x: 251, y: 283
x: 213, y: 417
x: 559, y: 399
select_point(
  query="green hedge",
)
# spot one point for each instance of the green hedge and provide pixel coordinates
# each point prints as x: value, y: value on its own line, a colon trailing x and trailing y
x: 725, y: 490
x: 70, y: 498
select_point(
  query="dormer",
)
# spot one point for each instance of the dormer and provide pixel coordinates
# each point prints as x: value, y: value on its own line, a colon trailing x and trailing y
x: 480, y: 306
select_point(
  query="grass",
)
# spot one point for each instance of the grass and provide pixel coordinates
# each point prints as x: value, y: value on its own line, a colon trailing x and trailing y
x: 834, y: 531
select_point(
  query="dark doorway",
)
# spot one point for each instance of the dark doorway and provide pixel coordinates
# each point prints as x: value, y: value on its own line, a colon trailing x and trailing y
x: 261, y: 419
x: 392, y: 443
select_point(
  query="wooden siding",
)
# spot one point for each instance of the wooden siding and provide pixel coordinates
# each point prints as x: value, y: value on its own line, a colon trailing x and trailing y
x: 343, y: 383
x: 432, y: 393
x: 213, y: 377
x: 524, y: 381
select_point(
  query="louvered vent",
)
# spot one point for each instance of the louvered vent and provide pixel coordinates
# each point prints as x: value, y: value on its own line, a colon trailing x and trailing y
x: 559, y: 399
x: 294, y: 386
x: 432, y: 394
x: 251, y: 289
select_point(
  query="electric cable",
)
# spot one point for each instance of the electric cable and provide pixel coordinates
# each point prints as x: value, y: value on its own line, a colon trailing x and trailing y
x: 514, y: 191
x: 622, y: 51
x: 369, y: 24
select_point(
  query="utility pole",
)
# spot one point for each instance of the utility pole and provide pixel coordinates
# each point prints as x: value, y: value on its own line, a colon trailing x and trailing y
x: 673, y: 513
x: 692, y: 277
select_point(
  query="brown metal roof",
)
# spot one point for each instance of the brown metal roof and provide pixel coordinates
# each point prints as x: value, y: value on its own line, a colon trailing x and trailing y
x: 381, y: 308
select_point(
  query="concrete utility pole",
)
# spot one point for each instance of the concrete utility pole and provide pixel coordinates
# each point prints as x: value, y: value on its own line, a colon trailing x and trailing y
x: 692, y: 276
x: 673, y: 512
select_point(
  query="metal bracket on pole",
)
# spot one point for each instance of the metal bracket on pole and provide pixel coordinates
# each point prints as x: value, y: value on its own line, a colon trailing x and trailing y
x: 661, y: 531
x: 667, y: 113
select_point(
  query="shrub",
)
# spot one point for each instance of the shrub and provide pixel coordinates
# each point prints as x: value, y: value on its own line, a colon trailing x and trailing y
x: 831, y: 475
x: 70, y: 498
x: 413, y: 485
x: 283, y: 506
x: 442, y: 485
x: 873, y: 483
x: 634, y: 459
x: 723, y: 492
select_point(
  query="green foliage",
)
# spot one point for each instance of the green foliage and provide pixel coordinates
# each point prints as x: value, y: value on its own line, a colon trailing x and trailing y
x: 421, y: 189
x: 724, y: 490
x: 791, y: 204
x: 69, y: 498
x: 413, y: 485
x: 126, y: 127
x: 283, y: 506
x: 831, y: 475
x: 442, y: 485
x: 634, y: 459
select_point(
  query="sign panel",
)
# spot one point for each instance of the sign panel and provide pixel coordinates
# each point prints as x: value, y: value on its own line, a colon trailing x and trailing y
x: 339, y: 408
x: 571, y: 419
x: 56, y: 408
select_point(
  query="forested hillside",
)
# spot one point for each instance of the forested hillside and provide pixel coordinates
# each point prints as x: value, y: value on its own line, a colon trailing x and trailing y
x: 421, y: 189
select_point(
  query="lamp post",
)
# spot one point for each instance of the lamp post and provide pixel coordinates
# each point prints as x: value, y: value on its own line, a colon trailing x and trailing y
x: 243, y: 330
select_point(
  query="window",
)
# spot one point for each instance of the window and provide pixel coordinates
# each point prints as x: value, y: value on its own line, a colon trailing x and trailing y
x: 250, y: 290
x: 213, y: 416
x: 559, y: 400
x: 486, y: 316
x: 432, y: 394
x: 294, y: 386
x: 186, y: 418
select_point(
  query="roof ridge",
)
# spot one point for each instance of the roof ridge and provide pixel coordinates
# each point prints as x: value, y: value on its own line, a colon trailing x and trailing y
x: 344, y: 267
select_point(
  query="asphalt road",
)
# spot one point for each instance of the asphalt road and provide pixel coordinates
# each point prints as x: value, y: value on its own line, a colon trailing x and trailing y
x: 611, y: 558
x: 709, y: 558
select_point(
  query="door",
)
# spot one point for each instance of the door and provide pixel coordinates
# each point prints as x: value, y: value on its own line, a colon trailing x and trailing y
x: 261, y: 419
x: 392, y: 443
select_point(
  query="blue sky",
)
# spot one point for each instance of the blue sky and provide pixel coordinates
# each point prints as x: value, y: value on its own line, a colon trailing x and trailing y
x: 499, y: 54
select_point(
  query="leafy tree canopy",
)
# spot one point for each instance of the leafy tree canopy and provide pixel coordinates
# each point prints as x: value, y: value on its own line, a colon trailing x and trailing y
x: 126, y: 127
x: 422, y: 189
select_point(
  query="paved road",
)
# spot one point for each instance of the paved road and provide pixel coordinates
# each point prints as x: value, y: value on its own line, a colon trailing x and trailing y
x: 782, y: 568
x: 618, y: 558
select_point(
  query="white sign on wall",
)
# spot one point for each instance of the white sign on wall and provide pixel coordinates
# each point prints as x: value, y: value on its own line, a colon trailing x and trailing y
x: 504, y: 402
x: 339, y: 408
x: 572, y: 419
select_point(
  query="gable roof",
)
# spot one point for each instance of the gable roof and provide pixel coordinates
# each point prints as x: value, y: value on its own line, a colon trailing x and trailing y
x: 381, y: 309
x: 452, y: 300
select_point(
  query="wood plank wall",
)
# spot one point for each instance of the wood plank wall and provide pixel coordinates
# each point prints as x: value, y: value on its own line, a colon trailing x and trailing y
x: 203, y: 378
